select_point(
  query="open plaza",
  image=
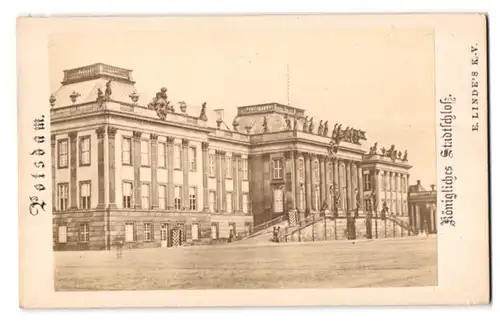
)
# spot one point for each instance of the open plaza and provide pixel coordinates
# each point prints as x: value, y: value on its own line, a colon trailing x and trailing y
x: 390, y: 262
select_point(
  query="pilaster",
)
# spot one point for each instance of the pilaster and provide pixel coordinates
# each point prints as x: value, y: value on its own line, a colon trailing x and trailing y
x: 154, y: 171
x: 185, y: 173
x: 53, y: 159
x: 170, y: 172
x: 204, y: 156
x: 73, y: 169
x: 137, y: 169
x: 112, y: 165
x: 101, y: 133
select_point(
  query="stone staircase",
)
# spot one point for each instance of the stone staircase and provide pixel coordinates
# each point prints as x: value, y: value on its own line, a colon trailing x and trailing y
x: 263, y: 232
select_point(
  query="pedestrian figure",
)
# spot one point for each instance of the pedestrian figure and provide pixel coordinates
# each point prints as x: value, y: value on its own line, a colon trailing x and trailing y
x: 278, y: 235
x: 119, y: 249
x: 274, y: 234
x: 230, y: 236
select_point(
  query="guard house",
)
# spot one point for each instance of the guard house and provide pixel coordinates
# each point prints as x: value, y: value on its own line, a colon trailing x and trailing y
x: 422, y: 208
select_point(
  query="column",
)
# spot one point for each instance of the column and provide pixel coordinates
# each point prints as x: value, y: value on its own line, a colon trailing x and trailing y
x: 53, y: 167
x: 112, y: 166
x: 137, y: 169
x: 398, y: 194
x: 418, y: 219
x: 354, y: 176
x: 223, y: 176
x: 376, y: 187
x: 336, y: 184
x: 322, y: 180
x: 348, y: 186
x: 361, y: 186
x: 185, y: 173
x: 296, y: 175
x: 293, y: 182
x: 307, y: 169
x: 170, y: 171
x: 72, y: 171
x: 384, y: 186
x: 204, y: 156
x: 154, y: 171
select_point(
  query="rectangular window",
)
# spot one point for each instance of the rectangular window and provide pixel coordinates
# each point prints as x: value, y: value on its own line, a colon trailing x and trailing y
x: 177, y: 157
x: 177, y: 198
x: 62, y: 233
x: 129, y: 232
x: 211, y: 201
x: 84, y: 233
x: 301, y: 169
x: 126, y: 151
x: 195, y: 231
x: 245, y: 203
x: 85, y: 195
x: 229, y: 202
x: 148, y: 231
x: 62, y: 154
x: 84, y: 150
x: 145, y: 153
x: 278, y: 200
x: 367, y: 182
x: 127, y: 194
x: 192, y: 198
x: 192, y: 158
x: 244, y: 165
x: 229, y: 168
x: 211, y: 165
x: 277, y: 169
x: 145, y: 196
x: 62, y: 196
x: 214, y: 232
x: 162, y: 155
x: 162, y: 196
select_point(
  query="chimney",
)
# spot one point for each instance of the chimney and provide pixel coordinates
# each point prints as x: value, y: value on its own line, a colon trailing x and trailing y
x: 418, y: 182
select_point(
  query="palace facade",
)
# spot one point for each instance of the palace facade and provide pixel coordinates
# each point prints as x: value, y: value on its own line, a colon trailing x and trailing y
x: 155, y: 174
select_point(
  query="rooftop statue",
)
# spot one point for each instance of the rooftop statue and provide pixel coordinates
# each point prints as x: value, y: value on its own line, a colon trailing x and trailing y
x: 203, y: 112
x: 295, y: 124
x: 288, y: 123
x: 320, y: 128
x: 305, y: 125
x: 405, y: 157
x: 325, y: 129
x: 108, y: 92
x: 264, y: 125
x: 161, y: 104
x: 236, y: 123
x: 311, y: 125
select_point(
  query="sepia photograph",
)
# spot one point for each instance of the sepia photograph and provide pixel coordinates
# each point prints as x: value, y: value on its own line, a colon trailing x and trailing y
x: 266, y: 160
x: 234, y: 160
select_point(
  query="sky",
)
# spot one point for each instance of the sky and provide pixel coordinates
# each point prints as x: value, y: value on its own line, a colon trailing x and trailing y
x: 379, y: 80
